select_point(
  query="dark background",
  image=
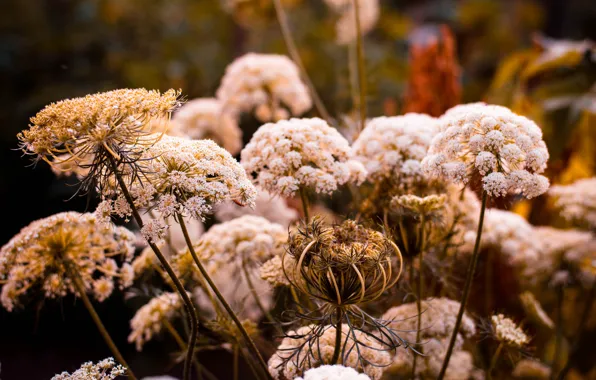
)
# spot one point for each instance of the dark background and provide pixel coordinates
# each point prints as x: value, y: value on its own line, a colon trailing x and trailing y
x: 55, y: 49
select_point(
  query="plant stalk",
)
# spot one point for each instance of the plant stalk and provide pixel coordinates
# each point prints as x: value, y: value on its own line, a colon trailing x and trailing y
x: 190, y: 309
x: 361, y: 66
x: 253, y: 291
x: 304, y: 200
x: 467, y: 287
x: 421, y: 247
x: 249, y: 342
x: 337, y: 350
x: 493, y: 361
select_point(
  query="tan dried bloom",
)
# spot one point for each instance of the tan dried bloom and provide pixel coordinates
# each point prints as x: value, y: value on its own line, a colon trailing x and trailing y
x: 531, y: 370
x: 106, y: 369
x: 274, y: 273
x: 428, y: 205
x: 372, y: 358
x: 45, y: 255
x: 577, y: 202
x: 492, y: 144
x: 205, y: 118
x: 266, y: 83
x: 300, y: 153
x: 506, y: 331
x: 149, y: 320
x: 90, y: 128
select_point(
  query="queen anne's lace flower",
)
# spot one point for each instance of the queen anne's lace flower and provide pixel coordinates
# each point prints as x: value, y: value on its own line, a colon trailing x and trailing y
x: 369, y: 11
x: 49, y: 252
x: 393, y: 147
x: 106, y: 369
x: 577, y: 201
x: 437, y: 323
x: 232, y: 250
x: 271, y: 207
x: 205, y: 118
x: 371, y: 360
x: 491, y: 143
x: 265, y: 83
x: 150, y: 318
x: 295, y: 153
x: 506, y: 331
x: 333, y: 372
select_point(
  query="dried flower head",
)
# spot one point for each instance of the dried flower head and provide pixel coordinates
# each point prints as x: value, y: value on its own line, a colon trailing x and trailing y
x: 577, y: 201
x: 426, y: 206
x: 106, y: 369
x: 393, y: 147
x: 342, y: 265
x: 492, y: 144
x: 149, y: 320
x: 313, y: 345
x: 333, y: 372
x: 88, y: 131
x: 205, y: 118
x: 266, y: 83
x: 368, y: 14
x: 274, y: 271
x: 506, y: 331
x: 47, y: 253
x: 300, y: 153
x: 184, y: 177
x: 271, y: 207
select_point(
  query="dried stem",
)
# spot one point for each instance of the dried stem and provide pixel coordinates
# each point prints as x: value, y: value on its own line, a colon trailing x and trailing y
x: 421, y: 247
x: 293, y: 50
x: 493, y: 361
x: 467, y: 287
x: 78, y: 283
x: 337, y: 350
x: 190, y: 308
x: 559, y: 330
x: 361, y: 66
x: 249, y: 342
x: 304, y: 199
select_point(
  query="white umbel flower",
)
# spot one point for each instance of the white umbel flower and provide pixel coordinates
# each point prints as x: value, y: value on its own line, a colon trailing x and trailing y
x: 333, y: 372
x: 300, y: 153
x: 393, y: 147
x: 493, y: 144
x: 106, y: 369
x: 577, y: 202
x: 508, y: 332
x: 269, y: 84
x: 205, y: 118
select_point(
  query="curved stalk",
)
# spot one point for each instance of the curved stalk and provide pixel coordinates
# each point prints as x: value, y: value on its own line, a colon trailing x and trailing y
x: 190, y: 308
x: 467, y: 286
x: 493, y: 362
x: 80, y: 287
x: 361, y: 66
x: 293, y: 50
x: 337, y: 350
x: 249, y: 342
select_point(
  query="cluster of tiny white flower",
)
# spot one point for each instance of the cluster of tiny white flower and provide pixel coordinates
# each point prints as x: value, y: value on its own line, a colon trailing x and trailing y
x: 150, y: 318
x: 271, y: 207
x: 577, y: 201
x: 333, y: 372
x: 393, y: 147
x: 205, y: 118
x: 370, y: 358
x: 506, y: 331
x: 345, y: 28
x: 106, y: 369
x: 291, y: 154
x: 266, y: 83
x: 504, y: 149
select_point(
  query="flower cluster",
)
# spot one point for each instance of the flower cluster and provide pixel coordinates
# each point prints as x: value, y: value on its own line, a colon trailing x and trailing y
x: 182, y: 177
x: 265, y: 83
x: 368, y: 14
x: 271, y: 207
x: 393, y: 147
x: 506, y: 331
x: 577, y: 201
x: 106, y: 369
x: 288, y: 363
x: 437, y: 323
x: 300, y: 153
x: 205, y: 118
x: 333, y: 372
x: 493, y: 144
x: 149, y: 320
x: 51, y: 253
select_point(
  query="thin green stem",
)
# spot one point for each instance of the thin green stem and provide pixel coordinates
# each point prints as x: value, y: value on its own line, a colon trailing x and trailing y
x: 467, y: 287
x: 304, y: 200
x: 361, y: 66
x: 493, y: 362
x: 198, y: 367
x: 293, y: 50
x: 337, y: 350
x: 80, y: 287
x: 249, y: 342
x: 190, y: 308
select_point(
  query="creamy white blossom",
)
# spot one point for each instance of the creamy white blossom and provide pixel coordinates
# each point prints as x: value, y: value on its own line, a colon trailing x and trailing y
x: 503, y: 149
x: 577, y: 202
x: 269, y: 84
x: 333, y: 372
x: 106, y: 369
x: 345, y: 28
x: 508, y: 332
x: 300, y: 153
